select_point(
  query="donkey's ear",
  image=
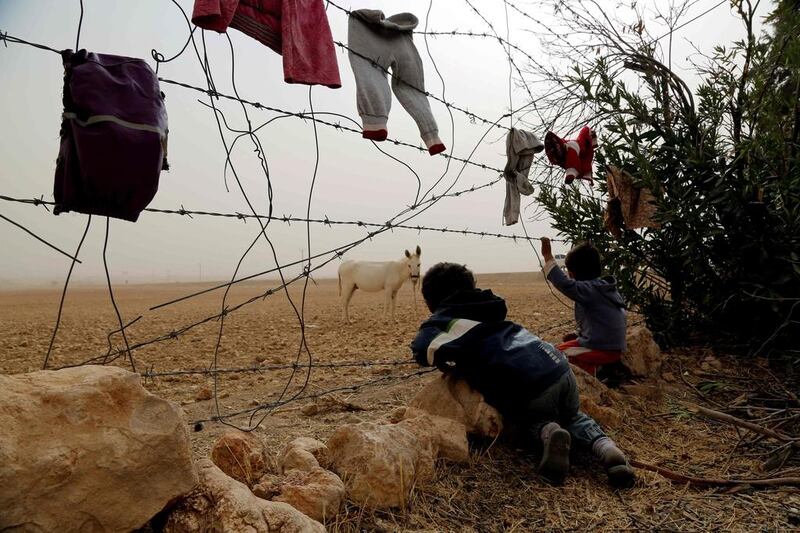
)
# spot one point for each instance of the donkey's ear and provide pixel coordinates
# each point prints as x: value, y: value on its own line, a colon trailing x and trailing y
x: 408, y: 254
x: 419, y: 250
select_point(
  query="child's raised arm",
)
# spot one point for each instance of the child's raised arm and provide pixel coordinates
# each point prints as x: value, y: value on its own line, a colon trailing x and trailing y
x: 547, y: 252
x: 574, y: 290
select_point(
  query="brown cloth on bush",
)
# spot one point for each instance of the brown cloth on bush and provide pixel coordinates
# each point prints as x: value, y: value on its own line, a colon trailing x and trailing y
x: 628, y: 207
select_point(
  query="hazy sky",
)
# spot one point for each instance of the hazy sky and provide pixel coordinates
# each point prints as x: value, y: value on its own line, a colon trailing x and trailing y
x: 354, y: 180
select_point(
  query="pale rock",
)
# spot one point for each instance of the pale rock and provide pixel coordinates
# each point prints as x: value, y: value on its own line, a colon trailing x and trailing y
x: 303, y: 453
x: 88, y: 449
x: 241, y: 455
x: 268, y: 486
x: 643, y: 356
x: 597, y: 400
x: 222, y: 504
x: 605, y: 416
x: 644, y: 391
x: 317, y: 493
x: 447, y: 437
x: 453, y: 398
x: 588, y: 385
x: 205, y: 393
x: 380, y: 463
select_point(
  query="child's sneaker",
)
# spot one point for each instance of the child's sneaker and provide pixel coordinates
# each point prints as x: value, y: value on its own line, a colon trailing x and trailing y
x: 619, y: 471
x: 555, y: 453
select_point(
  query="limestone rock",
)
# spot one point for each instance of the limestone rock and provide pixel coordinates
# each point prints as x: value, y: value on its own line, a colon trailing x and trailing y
x: 453, y: 398
x: 317, y: 493
x: 447, y: 437
x: 88, y: 449
x: 597, y: 400
x: 643, y: 356
x: 222, y: 504
x: 329, y: 404
x: 303, y: 453
x: 240, y: 455
x: 380, y: 463
x: 589, y: 385
x: 607, y: 417
x: 268, y: 486
x: 204, y: 393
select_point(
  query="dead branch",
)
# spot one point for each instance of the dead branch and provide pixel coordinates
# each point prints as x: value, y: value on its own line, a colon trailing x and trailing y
x: 730, y: 419
x: 706, y: 481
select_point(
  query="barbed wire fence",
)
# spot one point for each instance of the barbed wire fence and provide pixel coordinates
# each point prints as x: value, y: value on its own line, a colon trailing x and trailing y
x: 402, y: 220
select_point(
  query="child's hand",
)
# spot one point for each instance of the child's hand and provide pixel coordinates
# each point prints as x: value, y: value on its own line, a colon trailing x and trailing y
x: 547, y: 252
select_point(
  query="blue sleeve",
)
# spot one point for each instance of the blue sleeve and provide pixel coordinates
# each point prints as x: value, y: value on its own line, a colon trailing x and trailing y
x: 578, y: 291
x: 419, y: 346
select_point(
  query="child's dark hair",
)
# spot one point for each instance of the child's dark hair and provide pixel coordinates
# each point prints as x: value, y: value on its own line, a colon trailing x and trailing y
x: 443, y: 280
x: 584, y: 262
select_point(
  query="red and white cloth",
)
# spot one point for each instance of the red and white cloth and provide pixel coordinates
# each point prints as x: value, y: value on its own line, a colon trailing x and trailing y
x: 296, y: 29
x: 588, y: 359
x: 575, y: 156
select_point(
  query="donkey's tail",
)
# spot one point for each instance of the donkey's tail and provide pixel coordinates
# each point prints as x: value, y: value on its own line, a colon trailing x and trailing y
x: 340, y: 284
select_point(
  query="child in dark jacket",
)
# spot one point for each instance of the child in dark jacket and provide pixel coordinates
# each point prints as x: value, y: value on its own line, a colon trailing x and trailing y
x: 528, y: 380
x: 599, y: 308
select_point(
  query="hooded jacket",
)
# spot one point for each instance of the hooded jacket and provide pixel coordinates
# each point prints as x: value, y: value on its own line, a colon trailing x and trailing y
x: 469, y: 335
x: 599, y: 308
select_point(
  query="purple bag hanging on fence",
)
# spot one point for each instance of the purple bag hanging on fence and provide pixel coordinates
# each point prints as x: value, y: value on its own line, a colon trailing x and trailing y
x: 113, y: 136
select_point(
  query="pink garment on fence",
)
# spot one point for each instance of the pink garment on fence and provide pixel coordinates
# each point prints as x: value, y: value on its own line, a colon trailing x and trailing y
x: 296, y: 29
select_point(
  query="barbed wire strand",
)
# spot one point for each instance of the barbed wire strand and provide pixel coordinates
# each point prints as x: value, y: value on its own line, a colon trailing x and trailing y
x: 80, y: 25
x: 151, y: 373
x: 322, y: 221
x: 40, y: 239
x: 64, y: 293
x: 111, y: 294
x: 272, y: 406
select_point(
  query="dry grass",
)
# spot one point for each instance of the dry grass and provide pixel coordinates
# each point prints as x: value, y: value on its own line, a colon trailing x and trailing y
x: 498, y: 489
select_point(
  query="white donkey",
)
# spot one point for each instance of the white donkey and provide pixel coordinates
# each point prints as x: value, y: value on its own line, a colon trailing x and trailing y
x: 374, y: 276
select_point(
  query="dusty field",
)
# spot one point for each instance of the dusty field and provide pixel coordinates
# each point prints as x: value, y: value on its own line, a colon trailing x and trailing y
x: 498, y: 490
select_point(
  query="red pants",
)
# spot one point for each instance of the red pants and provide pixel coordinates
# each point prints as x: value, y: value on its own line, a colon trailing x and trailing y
x: 586, y: 358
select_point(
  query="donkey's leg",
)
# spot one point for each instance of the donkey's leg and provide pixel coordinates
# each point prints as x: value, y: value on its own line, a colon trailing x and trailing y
x: 387, y: 301
x: 347, y: 294
x: 394, y: 303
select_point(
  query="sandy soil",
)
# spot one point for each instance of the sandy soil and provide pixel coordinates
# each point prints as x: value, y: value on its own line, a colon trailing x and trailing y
x: 497, y: 490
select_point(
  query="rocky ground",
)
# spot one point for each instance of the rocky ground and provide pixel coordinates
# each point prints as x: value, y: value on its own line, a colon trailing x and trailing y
x: 498, y: 488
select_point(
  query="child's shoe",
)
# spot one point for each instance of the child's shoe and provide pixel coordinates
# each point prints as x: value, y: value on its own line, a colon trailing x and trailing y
x: 619, y: 471
x: 555, y: 453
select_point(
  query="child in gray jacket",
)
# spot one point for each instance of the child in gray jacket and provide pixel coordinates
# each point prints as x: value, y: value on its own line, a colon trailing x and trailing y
x: 599, y: 308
